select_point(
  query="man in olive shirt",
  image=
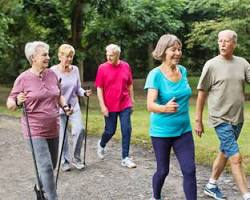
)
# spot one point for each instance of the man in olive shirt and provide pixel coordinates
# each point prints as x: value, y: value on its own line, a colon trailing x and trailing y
x: 222, y: 81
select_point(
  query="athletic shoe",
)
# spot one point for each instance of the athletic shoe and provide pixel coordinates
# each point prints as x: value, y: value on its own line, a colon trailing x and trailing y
x: 214, y: 192
x: 78, y: 164
x: 65, y: 167
x: 246, y: 196
x: 100, y: 150
x: 127, y: 162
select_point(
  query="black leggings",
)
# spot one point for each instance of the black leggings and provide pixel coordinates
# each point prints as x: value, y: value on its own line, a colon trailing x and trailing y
x: 183, y: 147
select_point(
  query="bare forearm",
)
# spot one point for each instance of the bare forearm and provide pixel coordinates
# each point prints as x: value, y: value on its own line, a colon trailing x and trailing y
x: 104, y: 109
x: 131, y: 93
x: 62, y: 101
x: 154, y: 107
x: 11, y: 104
x: 100, y: 97
x: 201, y: 99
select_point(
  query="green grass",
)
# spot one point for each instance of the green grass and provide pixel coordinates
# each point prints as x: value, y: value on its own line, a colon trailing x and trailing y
x: 206, y: 147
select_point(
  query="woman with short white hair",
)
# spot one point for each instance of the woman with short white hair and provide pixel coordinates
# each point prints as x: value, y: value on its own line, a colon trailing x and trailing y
x: 38, y: 88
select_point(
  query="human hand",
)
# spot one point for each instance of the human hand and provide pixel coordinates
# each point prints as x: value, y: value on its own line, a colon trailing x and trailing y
x: 171, y: 106
x: 133, y: 105
x: 21, y: 97
x: 199, y: 128
x: 105, y: 111
x: 133, y: 101
x: 67, y: 109
x: 88, y: 93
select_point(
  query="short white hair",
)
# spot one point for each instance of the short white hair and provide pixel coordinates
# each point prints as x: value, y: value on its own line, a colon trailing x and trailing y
x: 113, y: 48
x: 31, y: 48
x: 232, y: 34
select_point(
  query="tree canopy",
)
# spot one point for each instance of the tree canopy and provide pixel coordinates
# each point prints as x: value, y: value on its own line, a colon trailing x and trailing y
x: 89, y: 25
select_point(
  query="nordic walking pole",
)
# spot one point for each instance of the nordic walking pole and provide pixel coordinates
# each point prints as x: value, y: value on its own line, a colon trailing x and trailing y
x: 39, y: 192
x: 86, y: 131
x: 63, y: 141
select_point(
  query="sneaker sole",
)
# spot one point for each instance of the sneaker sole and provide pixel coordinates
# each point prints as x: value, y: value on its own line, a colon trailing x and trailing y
x: 100, y: 157
x: 66, y: 170
x: 123, y: 165
x: 212, y: 195
x: 79, y: 168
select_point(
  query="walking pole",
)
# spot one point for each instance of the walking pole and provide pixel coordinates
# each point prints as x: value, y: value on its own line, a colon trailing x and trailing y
x: 39, y: 192
x: 86, y: 131
x: 63, y: 141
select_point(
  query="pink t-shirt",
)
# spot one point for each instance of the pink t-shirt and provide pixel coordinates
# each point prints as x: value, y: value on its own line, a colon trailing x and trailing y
x: 41, y: 103
x: 115, y: 81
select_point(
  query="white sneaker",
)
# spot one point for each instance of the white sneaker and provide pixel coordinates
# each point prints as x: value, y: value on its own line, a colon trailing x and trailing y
x: 65, y: 167
x: 100, y: 150
x: 78, y: 165
x: 127, y: 162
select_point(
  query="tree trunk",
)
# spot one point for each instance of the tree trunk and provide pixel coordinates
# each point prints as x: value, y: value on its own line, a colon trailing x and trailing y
x: 77, y: 29
x: 150, y: 58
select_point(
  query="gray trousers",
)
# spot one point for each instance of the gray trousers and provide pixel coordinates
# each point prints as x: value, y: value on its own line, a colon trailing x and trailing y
x: 77, y: 131
x: 46, y: 152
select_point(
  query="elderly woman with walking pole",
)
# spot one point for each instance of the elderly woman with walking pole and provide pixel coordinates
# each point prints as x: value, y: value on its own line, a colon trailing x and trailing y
x: 71, y: 89
x: 38, y: 90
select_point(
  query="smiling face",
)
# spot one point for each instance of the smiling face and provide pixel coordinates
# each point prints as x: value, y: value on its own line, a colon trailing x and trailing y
x: 66, y: 59
x: 40, y: 59
x: 173, y: 54
x: 226, y: 44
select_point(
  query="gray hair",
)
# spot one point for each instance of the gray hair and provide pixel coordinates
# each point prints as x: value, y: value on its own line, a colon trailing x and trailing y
x: 165, y: 41
x: 232, y: 34
x: 31, y: 48
x: 113, y: 48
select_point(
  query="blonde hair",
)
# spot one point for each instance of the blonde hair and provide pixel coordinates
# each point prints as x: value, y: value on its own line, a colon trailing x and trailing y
x: 31, y: 48
x: 165, y: 41
x: 114, y: 48
x: 65, y: 50
x: 232, y: 34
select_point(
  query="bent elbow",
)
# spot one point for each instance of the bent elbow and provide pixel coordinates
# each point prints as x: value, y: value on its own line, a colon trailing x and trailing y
x: 149, y: 108
x: 10, y: 104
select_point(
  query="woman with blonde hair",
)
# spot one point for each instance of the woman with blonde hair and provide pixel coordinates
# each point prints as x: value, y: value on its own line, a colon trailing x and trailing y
x: 70, y: 83
x: 168, y: 94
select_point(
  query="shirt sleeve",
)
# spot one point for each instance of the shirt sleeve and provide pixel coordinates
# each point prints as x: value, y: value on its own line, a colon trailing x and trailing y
x: 80, y: 91
x: 99, y: 79
x: 183, y: 71
x: 151, y: 81
x: 130, y: 80
x: 205, y: 80
x: 247, y: 71
x: 17, y: 88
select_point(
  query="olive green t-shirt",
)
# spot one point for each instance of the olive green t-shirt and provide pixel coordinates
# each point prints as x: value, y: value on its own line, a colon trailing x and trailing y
x: 224, y: 81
